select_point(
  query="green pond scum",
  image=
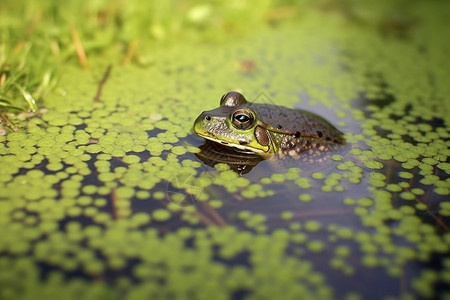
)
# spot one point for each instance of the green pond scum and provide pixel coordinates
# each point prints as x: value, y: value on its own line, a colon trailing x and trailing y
x: 103, y: 194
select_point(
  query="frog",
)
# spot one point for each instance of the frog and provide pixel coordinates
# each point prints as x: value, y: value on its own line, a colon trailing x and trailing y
x: 266, y: 129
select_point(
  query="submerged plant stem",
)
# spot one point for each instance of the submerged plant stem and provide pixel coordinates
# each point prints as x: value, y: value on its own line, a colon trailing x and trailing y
x: 101, y: 83
x: 215, y: 216
x: 7, y: 122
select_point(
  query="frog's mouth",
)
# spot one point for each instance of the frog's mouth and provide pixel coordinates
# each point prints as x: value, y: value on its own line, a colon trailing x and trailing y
x: 241, y: 146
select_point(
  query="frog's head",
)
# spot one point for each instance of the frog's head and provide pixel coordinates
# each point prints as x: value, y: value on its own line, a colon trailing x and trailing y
x: 234, y: 124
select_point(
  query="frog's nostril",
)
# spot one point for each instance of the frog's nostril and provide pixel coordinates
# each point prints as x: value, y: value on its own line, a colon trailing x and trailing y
x: 208, y: 118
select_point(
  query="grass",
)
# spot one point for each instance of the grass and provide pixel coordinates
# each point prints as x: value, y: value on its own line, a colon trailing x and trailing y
x: 37, y: 38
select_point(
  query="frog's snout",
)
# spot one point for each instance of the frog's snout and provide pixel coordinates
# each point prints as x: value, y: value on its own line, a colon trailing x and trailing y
x: 204, y: 116
x: 199, y: 124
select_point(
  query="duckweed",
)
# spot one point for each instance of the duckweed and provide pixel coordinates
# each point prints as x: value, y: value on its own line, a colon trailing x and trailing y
x: 317, y: 175
x: 315, y: 246
x: 312, y: 226
x: 89, y: 187
x: 277, y: 177
x: 305, y: 197
x: 287, y: 215
x: 372, y: 164
x: 215, y: 203
x: 161, y: 215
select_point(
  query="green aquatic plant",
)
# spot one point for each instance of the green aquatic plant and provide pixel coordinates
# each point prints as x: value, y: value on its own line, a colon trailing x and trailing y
x: 101, y: 194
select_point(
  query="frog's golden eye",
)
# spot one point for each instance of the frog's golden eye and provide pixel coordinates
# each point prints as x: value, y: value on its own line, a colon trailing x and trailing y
x: 242, y: 119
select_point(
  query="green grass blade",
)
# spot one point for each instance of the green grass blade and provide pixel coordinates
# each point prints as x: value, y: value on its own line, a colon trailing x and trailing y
x: 27, y: 96
x: 6, y: 105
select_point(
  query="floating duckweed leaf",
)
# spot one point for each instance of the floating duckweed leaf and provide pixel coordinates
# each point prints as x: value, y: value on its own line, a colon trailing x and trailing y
x: 159, y: 195
x: 131, y: 159
x: 315, y: 246
x: 291, y: 176
x: 94, y: 148
x: 161, y: 215
x: 16, y: 136
x: 361, y: 211
x: 299, y: 238
x: 372, y: 164
x: 54, y: 166
x: 312, y: 226
x: 442, y: 191
x: 84, y: 200
x: 365, y: 202
x: 265, y: 180
x: 418, y: 191
x: 421, y: 206
x: 317, y: 175
x: 336, y: 157
x: 287, y: 215
x: 178, y: 150
x: 277, y: 177
x: 215, y: 203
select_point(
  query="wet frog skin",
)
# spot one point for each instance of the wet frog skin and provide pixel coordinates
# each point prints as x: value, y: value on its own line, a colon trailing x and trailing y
x: 266, y: 129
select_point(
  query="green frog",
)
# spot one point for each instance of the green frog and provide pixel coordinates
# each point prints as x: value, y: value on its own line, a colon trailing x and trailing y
x: 266, y: 129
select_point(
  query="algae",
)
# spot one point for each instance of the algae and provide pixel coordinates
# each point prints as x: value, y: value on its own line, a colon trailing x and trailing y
x: 101, y: 194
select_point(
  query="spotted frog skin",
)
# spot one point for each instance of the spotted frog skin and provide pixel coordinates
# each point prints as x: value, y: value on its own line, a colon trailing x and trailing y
x: 266, y: 129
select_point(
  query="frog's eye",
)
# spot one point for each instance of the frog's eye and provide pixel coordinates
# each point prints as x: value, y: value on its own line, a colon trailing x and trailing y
x: 242, y: 119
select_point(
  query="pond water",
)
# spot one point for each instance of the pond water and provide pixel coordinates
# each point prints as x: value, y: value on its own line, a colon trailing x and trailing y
x: 107, y: 196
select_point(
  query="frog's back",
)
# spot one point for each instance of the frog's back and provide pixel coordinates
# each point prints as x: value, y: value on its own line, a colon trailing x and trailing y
x: 296, y: 122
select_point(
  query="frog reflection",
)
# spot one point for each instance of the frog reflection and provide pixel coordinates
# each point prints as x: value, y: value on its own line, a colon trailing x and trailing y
x: 239, y: 161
